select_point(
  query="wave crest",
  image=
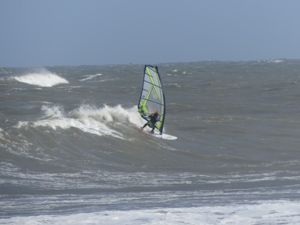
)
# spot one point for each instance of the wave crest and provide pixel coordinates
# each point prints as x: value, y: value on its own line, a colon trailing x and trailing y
x: 89, y: 119
x: 43, y: 78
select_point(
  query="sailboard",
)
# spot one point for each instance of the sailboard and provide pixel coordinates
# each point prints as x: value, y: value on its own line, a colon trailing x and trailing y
x: 152, y: 98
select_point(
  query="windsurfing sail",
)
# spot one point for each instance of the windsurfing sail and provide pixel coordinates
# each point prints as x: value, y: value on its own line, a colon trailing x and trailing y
x: 152, y: 97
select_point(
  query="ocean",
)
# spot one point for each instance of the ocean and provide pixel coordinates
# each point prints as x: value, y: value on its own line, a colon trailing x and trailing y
x: 72, y: 151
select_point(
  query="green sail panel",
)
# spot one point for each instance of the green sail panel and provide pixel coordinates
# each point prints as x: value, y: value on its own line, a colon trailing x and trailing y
x: 152, y: 96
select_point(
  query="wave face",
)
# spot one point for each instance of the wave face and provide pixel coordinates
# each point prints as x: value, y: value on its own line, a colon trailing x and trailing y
x: 73, y: 149
x: 43, y: 78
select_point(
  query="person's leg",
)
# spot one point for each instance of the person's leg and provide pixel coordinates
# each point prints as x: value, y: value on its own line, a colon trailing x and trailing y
x: 152, y: 131
x: 144, y: 125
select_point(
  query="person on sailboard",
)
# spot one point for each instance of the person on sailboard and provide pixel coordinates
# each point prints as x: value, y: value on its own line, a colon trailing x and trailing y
x: 154, y: 117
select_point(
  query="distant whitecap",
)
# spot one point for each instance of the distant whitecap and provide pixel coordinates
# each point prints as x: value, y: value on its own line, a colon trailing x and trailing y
x: 43, y: 78
x: 89, y: 77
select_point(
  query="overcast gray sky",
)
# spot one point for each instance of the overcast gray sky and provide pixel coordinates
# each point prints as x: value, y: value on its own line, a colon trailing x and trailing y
x: 76, y: 32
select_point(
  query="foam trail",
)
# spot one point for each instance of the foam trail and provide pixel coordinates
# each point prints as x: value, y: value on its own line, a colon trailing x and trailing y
x: 89, y: 77
x: 273, y: 212
x: 43, y: 78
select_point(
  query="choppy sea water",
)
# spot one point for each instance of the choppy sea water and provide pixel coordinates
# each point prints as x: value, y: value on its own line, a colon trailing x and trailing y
x: 72, y: 152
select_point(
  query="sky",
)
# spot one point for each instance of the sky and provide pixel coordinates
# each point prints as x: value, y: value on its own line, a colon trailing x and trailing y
x: 96, y: 32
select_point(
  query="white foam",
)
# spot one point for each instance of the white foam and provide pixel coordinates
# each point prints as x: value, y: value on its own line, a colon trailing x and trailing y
x: 90, y: 119
x: 86, y: 118
x: 275, y: 61
x: 91, y: 76
x: 272, y: 212
x: 1, y: 134
x: 42, y: 78
x: 158, y: 135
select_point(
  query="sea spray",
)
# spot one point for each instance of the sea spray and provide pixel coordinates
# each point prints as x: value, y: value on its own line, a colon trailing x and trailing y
x: 42, y: 78
x: 86, y: 118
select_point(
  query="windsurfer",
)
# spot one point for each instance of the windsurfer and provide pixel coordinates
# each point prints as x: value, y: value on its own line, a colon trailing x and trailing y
x: 153, y: 118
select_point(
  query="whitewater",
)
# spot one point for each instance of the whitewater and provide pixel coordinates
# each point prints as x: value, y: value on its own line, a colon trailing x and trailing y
x: 72, y: 151
x: 42, y: 78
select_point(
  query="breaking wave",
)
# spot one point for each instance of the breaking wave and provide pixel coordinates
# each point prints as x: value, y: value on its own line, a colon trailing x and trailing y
x: 42, y: 78
x: 90, y: 119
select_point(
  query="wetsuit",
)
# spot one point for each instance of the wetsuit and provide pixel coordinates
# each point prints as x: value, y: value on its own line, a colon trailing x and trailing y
x: 153, y: 119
